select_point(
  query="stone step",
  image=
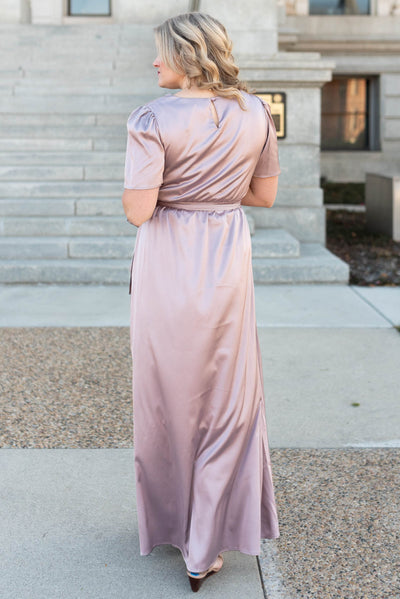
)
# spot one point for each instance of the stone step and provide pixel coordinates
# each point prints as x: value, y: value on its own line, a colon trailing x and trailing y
x: 65, y: 189
x: 69, y: 49
x: 138, y: 59
x: 28, y: 55
x: 80, y: 206
x: 34, y: 248
x: 84, y: 104
x: 96, y: 271
x: 111, y: 32
x: 54, y: 226
x: 109, y: 144
x: 34, y: 215
x: 64, y: 132
x: 72, y: 120
x: 40, y: 40
x: 19, y: 78
x: 76, y: 214
x: 92, y: 70
x: 97, y: 181
x: 274, y: 243
x: 37, y: 47
x: 12, y: 178
x: 112, y: 78
x: 315, y: 264
x: 61, y: 206
x: 128, y: 79
x: 62, y: 120
x: 41, y: 173
x: 89, y: 47
x: 54, y: 88
x: 91, y: 29
x: 62, y: 173
x: 11, y: 72
x: 77, y: 158
x: 34, y: 64
x: 306, y: 223
x: 101, y: 35
x: 38, y: 207
x: 39, y: 144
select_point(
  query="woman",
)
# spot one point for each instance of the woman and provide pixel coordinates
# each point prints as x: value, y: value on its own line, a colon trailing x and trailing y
x: 202, y: 465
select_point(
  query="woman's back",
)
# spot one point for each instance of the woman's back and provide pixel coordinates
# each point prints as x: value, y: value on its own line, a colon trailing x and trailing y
x: 194, y: 159
x: 202, y: 464
x: 203, y: 472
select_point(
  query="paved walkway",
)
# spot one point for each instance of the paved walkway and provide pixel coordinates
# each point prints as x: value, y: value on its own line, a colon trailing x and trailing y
x: 331, y: 356
x: 277, y: 305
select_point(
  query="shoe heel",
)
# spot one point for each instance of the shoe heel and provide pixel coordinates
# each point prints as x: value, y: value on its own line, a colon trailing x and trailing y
x: 195, y: 584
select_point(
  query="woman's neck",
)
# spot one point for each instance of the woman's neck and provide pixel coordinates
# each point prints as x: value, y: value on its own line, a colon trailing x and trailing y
x: 191, y: 92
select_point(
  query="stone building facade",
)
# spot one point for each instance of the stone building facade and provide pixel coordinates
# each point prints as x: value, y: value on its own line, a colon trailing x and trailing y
x: 360, y: 107
x: 360, y: 120
x: 72, y: 70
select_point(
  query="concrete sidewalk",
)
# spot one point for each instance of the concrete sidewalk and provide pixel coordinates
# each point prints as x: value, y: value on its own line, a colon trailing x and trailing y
x: 331, y: 356
x: 276, y: 305
x: 69, y: 530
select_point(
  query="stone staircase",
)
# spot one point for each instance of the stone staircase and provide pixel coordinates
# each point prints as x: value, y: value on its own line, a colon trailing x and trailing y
x: 66, y: 93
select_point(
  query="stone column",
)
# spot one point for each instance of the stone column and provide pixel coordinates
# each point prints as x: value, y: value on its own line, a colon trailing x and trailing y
x: 299, y: 75
x: 46, y: 12
x: 139, y: 11
x: 252, y: 26
x: 10, y: 11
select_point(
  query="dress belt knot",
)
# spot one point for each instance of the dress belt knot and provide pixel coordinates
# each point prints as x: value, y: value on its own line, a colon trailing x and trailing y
x: 198, y: 205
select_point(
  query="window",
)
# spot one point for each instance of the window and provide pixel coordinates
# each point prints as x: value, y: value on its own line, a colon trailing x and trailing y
x: 339, y: 7
x: 93, y: 8
x: 349, y: 114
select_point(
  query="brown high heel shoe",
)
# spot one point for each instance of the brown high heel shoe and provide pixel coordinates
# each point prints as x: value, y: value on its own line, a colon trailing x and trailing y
x: 196, y: 578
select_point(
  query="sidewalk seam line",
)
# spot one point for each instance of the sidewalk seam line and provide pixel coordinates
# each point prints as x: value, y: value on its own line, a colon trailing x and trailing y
x: 372, y: 306
x: 261, y: 578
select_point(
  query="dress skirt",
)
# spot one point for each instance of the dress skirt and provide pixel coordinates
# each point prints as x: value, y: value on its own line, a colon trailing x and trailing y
x: 202, y: 464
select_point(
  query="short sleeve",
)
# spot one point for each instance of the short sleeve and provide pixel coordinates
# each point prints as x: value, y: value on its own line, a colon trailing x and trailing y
x: 144, y: 160
x: 268, y: 162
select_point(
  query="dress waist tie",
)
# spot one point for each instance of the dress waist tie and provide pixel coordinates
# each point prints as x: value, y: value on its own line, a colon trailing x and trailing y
x: 198, y: 205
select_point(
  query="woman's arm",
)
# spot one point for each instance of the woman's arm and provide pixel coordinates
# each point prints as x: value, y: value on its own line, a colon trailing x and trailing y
x: 139, y: 204
x: 262, y: 192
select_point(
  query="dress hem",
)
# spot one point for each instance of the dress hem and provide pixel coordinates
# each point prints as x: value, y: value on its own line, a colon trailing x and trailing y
x: 220, y: 551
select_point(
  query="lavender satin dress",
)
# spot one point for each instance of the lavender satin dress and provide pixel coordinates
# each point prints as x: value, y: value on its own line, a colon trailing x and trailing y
x: 202, y: 464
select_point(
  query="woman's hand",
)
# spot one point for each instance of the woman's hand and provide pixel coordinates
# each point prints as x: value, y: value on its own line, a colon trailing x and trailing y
x: 139, y: 204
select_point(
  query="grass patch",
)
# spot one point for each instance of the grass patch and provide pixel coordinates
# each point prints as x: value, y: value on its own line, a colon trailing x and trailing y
x: 343, y: 193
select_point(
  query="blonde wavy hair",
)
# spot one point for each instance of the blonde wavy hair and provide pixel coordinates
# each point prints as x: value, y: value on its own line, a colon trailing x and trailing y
x: 196, y: 45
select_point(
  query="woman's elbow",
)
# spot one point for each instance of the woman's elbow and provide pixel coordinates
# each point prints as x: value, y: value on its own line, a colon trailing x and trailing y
x: 269, y: 200
x: 265, y: 190
x: 134, y: 220
x: 139, y: 205
x: 265, y: 200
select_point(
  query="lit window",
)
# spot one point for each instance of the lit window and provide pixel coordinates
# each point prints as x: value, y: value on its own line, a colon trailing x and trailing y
x: 339, y: 7
x: 349, y: 114
x: 90, y: 8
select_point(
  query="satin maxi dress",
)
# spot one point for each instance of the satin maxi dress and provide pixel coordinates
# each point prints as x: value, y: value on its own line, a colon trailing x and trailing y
x: 201, y: 455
